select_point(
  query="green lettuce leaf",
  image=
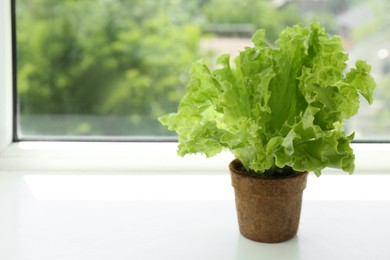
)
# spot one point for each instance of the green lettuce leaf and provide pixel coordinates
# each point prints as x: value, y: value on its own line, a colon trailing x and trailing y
x: 275, y: 106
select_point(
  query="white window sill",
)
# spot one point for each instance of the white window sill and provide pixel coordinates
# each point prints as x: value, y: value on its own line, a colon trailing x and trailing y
x: 106, y: 157
x: 141, y: 201
x: 88, y: 216
x: 147, y: 157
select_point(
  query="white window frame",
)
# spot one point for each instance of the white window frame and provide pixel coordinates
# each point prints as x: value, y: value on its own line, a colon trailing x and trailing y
x: 157, y: 157
x: 5, y: 75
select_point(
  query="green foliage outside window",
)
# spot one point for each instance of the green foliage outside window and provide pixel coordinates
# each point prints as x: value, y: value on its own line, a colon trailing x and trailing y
x: 101, y: 58
x: 112, y: 67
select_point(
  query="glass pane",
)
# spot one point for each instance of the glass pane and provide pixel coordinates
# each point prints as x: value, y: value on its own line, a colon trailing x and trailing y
x: 110, y: 68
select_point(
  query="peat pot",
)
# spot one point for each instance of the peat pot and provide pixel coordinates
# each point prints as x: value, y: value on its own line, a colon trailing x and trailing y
x: 268, y: 208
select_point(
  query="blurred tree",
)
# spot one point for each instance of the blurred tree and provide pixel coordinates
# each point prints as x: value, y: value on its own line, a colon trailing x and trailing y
x: 107, y: 57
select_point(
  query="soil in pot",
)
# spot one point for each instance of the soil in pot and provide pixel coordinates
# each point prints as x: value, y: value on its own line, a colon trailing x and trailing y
x: 268, y: 208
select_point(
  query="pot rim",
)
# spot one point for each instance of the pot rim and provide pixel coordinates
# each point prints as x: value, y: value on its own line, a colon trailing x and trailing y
x: 235, y: 162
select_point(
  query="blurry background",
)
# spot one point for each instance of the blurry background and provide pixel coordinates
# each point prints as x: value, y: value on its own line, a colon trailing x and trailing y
x: 110, y: 68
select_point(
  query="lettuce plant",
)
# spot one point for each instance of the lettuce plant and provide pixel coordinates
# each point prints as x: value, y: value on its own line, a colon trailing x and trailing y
x: 275, y: 106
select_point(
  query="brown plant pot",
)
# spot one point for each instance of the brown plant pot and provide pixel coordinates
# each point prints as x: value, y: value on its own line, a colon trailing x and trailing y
x: 268, y: 208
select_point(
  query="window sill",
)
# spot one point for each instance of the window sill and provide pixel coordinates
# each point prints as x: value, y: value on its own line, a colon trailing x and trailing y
x: 122, y: 216
x: 106, y: 157
x: 106, y: 201
x: 147, y: 157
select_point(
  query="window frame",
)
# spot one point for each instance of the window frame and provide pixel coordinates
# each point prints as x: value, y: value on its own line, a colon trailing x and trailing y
x: 157, y: 157
x: 6, y: 74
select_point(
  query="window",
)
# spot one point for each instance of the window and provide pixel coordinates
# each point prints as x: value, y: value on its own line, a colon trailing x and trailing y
x: 111, y: 71
x: 365, y: 38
